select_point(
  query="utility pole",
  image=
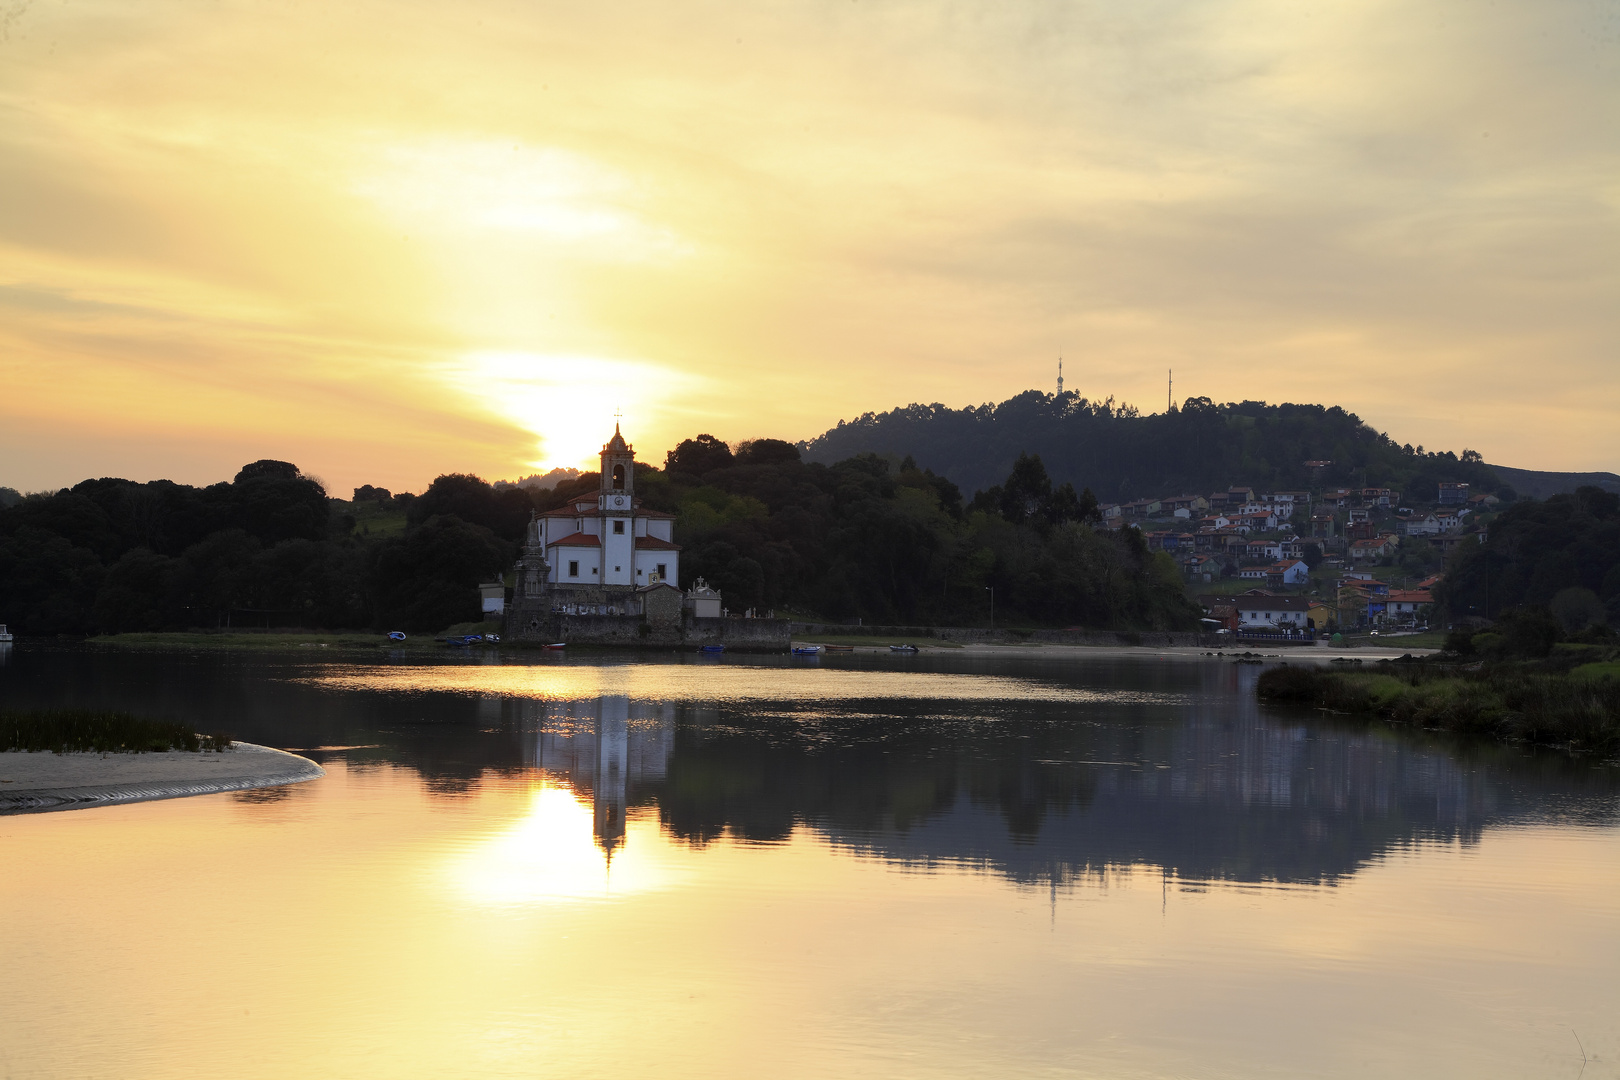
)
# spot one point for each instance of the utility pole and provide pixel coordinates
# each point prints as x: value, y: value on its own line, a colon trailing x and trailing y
x: 991, y: 589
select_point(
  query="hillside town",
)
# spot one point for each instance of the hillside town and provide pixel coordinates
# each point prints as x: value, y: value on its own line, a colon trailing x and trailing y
x: 1303, y: 563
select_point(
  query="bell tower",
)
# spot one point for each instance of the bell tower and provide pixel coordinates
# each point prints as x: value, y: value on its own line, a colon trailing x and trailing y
x: 618, y: 473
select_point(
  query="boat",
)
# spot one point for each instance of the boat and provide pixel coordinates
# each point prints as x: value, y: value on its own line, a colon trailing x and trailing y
x: 396, y: 635
x: 492, y: 638
x: 838, y: 648
x: 466, y: 639
x: 5, y: 635
x: 712, y: 648
x: 903, y: 648
x: 556, y: 645
x: 807, y: 650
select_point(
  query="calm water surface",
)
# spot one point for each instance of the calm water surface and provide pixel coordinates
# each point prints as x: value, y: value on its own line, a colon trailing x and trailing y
x: 936, y: 866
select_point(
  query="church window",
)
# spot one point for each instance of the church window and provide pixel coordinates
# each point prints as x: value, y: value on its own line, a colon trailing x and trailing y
x: 618, y: 527
x: 618, y: 478
x: 573, y: 568
x: 661, y: 574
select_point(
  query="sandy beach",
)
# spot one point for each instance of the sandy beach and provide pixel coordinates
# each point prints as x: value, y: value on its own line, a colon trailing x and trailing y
x: 44, y: 781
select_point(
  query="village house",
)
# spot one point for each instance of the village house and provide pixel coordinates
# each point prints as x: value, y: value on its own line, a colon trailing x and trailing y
x: 1319, y: 616
x: 1452, y: 494
x: 1258, y: 612
x: 1407, y: 607
x: 1263, y: 550
x: 1186, y: 506
x: 1378, y: 547
x: 1288, y: 572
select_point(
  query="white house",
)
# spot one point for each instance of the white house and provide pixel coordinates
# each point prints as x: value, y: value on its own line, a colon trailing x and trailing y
x: 1271, y: 612
x: 608, y: 539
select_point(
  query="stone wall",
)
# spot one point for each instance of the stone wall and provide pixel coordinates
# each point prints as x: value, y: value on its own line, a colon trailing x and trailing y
x: 633, y: 631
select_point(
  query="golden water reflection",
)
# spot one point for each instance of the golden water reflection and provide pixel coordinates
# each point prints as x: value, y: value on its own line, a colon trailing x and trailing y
x: 560, y: 850
x: 717, y: 683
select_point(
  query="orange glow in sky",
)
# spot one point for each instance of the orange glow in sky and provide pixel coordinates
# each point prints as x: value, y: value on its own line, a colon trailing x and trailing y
x: 386, y: 241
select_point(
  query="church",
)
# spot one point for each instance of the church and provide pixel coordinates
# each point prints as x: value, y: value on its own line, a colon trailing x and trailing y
x: 607, y: 543
x: 605, y: 570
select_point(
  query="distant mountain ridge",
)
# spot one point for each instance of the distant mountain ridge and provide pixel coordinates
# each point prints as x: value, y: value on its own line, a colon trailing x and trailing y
x: 1120, y: 454
x: 1544, y: 485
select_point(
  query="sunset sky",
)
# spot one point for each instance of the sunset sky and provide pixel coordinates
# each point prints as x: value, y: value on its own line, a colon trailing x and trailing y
x: 386, y: 241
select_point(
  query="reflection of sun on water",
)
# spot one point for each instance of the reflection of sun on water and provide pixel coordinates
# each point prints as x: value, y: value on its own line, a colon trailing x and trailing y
x: 552, y: 854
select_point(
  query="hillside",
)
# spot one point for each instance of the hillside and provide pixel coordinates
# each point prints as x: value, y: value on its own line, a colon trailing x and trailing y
x: 1120, y: 454
x: 1544, y: 485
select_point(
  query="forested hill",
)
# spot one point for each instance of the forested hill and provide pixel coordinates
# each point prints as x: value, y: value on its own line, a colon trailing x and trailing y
x: 1120, y: 454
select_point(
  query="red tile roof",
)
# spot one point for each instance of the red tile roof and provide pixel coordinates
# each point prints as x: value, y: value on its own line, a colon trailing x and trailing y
x: 653, y: 543
x: 578, y: 539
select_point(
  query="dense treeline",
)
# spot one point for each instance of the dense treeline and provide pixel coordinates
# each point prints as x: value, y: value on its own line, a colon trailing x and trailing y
x: 854, y: 539
x: 111, y: 555
x: 1120, y: 454
x: 1562, y: 554
x: 862, y: 539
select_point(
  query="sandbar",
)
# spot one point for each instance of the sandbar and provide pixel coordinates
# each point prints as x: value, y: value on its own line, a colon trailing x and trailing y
x: 33, y: 782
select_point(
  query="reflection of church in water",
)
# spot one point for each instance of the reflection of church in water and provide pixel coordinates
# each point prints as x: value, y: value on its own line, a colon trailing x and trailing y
x: 610, y: 749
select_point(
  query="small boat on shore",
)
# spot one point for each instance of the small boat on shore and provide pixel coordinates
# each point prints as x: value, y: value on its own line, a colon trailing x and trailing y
x: 839, y: 648
x: 903, y: 648
x: 393, y: 635
x: 465, y: 639
x: 711, y: 648
x: 556, y: 645
x: 807, y: 650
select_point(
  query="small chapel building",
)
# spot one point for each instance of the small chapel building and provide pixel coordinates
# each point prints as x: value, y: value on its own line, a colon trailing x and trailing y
x: 607, y: 543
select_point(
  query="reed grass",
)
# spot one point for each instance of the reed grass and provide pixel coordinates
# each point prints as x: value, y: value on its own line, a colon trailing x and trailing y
x: 64, y: 731
x: 1515, y: 702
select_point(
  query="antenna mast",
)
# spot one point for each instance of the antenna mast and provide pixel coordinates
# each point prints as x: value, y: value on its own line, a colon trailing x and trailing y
x: 1170, y: 389
x: 1060, y: 376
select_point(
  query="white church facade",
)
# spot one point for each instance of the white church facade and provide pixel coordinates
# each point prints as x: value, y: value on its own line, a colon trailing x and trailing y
x: 607, y: 540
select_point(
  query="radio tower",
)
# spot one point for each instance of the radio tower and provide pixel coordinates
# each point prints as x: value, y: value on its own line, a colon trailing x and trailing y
x: 1060, y: 376
x: 1169, y: 389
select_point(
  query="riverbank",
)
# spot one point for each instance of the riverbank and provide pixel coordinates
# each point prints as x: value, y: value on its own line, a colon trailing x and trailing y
x: 1292, y: 654
x: 38, y: 781
x: 263, y: 639
x: 1513, y: 702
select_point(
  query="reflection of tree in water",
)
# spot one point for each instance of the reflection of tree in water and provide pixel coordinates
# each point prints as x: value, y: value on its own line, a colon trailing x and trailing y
x: 1206, y: 785
x: 1215, y: 794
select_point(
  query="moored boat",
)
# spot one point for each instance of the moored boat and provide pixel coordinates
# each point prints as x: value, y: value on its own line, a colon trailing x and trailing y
x: 839, y: 648
x: 903, y: 648
x: 807, y: 650
x: 5, y: 635
x: 711, y: 648
x: 556, y: 645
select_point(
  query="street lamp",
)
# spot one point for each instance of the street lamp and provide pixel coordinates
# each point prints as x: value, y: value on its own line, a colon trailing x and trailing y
x: 991, y: 589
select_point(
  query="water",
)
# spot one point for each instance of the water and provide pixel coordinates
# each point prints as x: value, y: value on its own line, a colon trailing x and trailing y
x: 946, y: 865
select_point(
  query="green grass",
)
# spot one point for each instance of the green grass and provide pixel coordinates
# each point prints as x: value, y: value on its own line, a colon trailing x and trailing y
x: 874, y: 640
x: 1508, y: 701
x: 1607, y: 669
x: 371, y: 521
x: 1433, y: 639
x: 67, y: 730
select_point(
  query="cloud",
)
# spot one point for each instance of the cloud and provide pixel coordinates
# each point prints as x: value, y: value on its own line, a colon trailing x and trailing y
x: 305, y: 223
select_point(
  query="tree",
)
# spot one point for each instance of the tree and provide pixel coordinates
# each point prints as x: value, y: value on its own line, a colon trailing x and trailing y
x: 699, y: 456
x: 462, y: 495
